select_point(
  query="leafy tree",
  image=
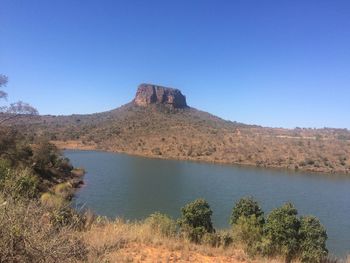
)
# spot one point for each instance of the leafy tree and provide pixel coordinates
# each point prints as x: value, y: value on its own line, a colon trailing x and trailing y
x: 247, y: 220
x: 248, y: 231
x: 247, y: 207
x: 313, y: 237
x: 196, y: 220
x: 282, y: 232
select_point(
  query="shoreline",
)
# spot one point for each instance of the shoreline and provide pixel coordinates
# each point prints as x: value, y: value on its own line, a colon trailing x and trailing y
x: 78, y: 145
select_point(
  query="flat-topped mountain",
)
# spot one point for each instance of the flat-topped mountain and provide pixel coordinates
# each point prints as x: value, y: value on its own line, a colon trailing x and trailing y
x: 152, y: 94
x: 158, y: 123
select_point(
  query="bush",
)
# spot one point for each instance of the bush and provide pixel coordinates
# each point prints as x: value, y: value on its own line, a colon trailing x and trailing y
x: 66, y: 216
x: 18, y: 183
x: 64, y: 164
x: 226, y: 238
x: 248, y: 232
x: 247, y: 207
x: 28, y: 236
x: 51, y: 200
x: 211, y: 239
x: 282, y: 232
x: 45, y: 155
x: 217, y: 239
x: 313, y: 238
x: 196, y: 220
x: 162, y: 224
x: 65, y: 190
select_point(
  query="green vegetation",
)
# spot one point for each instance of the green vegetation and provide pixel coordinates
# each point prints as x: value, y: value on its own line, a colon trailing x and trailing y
x: 247, y: 207
x: 282, y: 231
x: 313, y: 238
x: 163, y: 224
x: 195, y: 221
x: 248, y: 232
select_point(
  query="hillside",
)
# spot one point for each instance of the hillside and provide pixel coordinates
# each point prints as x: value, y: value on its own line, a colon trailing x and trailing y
x: 158, y: 123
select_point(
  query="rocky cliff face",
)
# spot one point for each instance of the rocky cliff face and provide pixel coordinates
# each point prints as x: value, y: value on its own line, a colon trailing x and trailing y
x: 152, y: 94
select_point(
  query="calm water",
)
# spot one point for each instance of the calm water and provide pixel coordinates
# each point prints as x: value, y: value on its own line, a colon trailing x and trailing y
x: 134, y: 187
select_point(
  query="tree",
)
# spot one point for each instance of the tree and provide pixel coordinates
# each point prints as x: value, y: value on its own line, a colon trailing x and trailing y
x: 196, y: 220
x: 14, y: 110
x: 247, y: 220
x: 282, y: 232
x: 45, y: 156
x: 247, y: 207
x: 313, y: 237
x: 248, y: 232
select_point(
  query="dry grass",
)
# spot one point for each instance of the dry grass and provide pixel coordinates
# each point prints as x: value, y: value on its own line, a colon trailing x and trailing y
x: 119, y: 241
x: 27, y: 235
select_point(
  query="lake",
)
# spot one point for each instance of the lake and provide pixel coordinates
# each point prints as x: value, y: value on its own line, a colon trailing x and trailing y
x: 134, y: 187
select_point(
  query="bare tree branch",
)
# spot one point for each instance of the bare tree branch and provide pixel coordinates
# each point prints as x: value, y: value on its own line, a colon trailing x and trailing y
x: 21, y: 108
x: 16, y: 109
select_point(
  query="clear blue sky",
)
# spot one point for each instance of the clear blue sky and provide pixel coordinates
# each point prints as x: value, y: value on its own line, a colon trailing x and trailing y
x: 274, y: 63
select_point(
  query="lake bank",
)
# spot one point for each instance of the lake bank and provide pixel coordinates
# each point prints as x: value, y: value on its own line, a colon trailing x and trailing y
x: 134, y: 187
x: 79, y: 145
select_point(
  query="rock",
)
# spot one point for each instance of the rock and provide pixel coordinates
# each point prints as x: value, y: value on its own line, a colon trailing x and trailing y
x: 152, y: 94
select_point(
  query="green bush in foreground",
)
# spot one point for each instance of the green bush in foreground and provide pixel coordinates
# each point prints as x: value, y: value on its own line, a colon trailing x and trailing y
x: 196, y: 220
x: 282, y: 232
x: 313, y: 238
x: 248, y: 232
x: 247, y: 220
x: 247, y: 207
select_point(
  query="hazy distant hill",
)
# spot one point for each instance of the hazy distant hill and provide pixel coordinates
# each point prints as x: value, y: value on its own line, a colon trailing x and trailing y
x: 159, y: 123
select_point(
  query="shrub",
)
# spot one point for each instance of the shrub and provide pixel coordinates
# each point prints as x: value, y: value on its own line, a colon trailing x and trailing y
x: 248, y: 232
x: 65, y: 190
x: 226, y: 238
x: 66, y: 216
x: 282, y: 232
x: 313, y: 238
x: 211, y: 239
x: 45, y: 155
x: 247, y: 207
x: 26, y: 185
x: 217, y: 239
x: 64, y: 165
x: 196, y: 220
x: 28, y: 236
x: 162, y: 224
x: 51, y: 200
x: 18, y: 183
